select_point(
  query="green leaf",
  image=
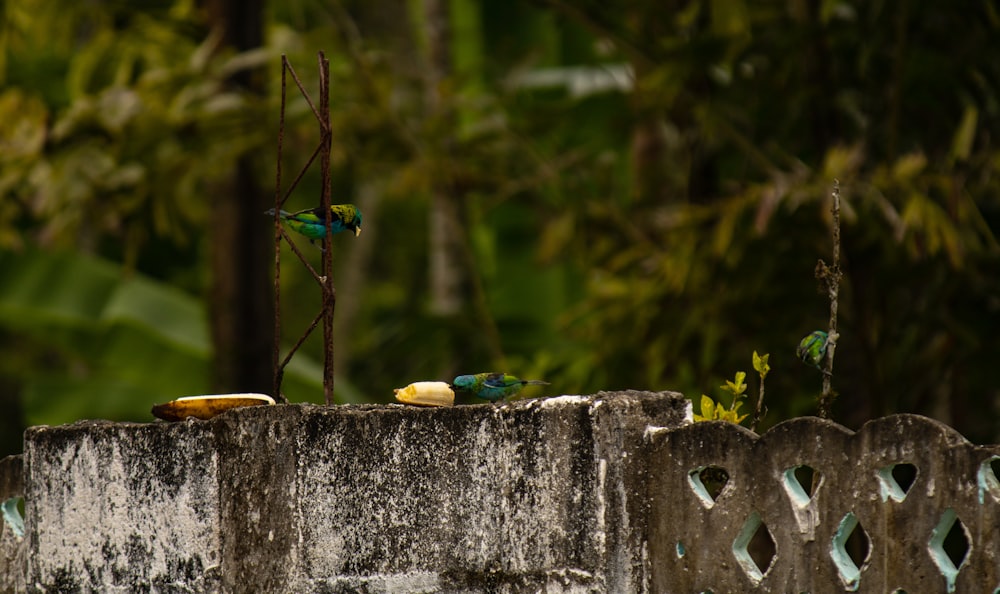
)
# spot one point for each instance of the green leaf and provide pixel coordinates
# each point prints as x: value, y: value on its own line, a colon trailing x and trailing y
x: 760, y: 364
x: 908, y: 166
x: 737, y: 387
x: 707, y: 407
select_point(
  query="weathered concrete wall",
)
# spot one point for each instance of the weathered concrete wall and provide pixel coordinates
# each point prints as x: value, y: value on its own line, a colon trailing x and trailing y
x: 604, y: 493
x: 695, y: 541
x: 535, y: 495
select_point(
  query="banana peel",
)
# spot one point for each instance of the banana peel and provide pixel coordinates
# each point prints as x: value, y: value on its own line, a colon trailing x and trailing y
x: 426, y: 394
x: 206, y: 407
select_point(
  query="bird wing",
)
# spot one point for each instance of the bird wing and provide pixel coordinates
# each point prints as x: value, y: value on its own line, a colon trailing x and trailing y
x: 304, y: 216
x: 501, y: 380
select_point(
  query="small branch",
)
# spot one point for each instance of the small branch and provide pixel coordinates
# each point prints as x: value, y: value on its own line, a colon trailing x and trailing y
x: 759, y: 410
x: 831, y: 276
x: 761, y: 366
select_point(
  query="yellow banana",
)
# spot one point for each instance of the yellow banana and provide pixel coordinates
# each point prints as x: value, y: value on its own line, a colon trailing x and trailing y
x: 426, y: 394
x: 206, y: 407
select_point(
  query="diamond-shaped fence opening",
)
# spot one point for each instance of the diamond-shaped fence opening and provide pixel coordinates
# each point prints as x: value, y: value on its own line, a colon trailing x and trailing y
x: 708, y: 482
x: 801, y: 483
x: 858, y: 547
x: 754, y: 548
x: 850, y: 551
x: 988, y: 481
x: 896, y: 480
x: 949, y: 546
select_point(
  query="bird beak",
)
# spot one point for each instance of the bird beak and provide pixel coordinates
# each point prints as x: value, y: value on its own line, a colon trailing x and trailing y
x: 357, y: 231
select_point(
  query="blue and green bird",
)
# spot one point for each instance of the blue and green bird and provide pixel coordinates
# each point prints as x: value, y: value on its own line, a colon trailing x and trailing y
x: 493, y: 386
x: 812, y: 348
x: 312, y: 224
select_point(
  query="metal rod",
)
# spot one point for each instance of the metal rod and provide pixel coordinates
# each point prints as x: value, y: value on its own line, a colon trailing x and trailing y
x: 305, y: 335
x: 329, y: 294
x: 278, y: 370
x: 302, y: 89
x: 302, y: 172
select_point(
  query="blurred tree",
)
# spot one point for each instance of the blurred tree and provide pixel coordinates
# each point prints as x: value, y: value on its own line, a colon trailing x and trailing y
x: 696, y: 286
x: 241, y: 287
x: 641, y: 189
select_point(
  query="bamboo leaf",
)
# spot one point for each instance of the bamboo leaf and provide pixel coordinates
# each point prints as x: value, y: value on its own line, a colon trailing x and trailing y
x: 961, y: 144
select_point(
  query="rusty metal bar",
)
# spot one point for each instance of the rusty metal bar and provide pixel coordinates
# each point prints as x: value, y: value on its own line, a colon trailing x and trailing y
x: 326, y: 279
x: 278, y: 370
x: 329, y: 294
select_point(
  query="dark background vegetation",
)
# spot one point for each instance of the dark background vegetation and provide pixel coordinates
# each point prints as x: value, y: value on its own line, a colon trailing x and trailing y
x: 606, y: 195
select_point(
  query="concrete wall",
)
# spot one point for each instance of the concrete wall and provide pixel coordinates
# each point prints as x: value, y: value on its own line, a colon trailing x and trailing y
x: 534, y: 495
x: 615, y: 492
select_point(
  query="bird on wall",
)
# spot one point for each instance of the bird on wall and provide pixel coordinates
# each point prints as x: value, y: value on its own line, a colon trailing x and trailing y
x: 312, y: 224
x: 493, y: 386
x: 812, y: 348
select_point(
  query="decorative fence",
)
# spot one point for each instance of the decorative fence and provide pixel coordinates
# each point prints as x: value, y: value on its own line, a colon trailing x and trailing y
x: 615, y: 492
x: 906, y: 504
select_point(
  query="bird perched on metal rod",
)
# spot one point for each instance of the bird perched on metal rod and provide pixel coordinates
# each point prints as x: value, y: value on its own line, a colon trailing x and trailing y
x: 812, y: 348
x: 312, y: 224
x: 493, y: 386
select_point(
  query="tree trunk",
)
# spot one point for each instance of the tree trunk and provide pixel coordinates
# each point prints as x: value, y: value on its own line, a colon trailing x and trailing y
x: 445, y: 232
x: 240, y: 305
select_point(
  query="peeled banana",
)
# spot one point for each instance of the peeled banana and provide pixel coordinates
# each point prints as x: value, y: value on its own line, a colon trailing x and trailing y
x: 206, y: 407
x: 426, y: 394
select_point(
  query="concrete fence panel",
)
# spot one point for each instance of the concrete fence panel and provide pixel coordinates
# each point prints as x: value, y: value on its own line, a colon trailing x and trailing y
x: 905, y: 504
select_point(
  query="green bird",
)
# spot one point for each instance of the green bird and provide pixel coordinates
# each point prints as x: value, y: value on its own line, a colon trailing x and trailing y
x: 312, y: 223
x: 493, y: 386
x: 812, y: 348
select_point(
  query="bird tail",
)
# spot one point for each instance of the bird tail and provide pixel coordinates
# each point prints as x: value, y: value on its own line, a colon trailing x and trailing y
x: 535, y: 383
x: 270, y: 212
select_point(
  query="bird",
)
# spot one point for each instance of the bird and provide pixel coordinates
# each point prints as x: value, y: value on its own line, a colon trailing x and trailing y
x: 312, y: 224
x: 812, y: 348
x: 493, y: 386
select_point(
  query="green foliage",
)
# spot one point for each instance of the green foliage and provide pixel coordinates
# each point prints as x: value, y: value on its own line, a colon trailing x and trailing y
x: 87, y: 340
x: 126, y: 148
x: 636, y: 234
x: 715, y: 411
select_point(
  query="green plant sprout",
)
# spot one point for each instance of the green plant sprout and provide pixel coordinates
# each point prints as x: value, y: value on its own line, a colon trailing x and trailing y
x: 715, y: 411
x: 712, y: 410
x: 762, y: 367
